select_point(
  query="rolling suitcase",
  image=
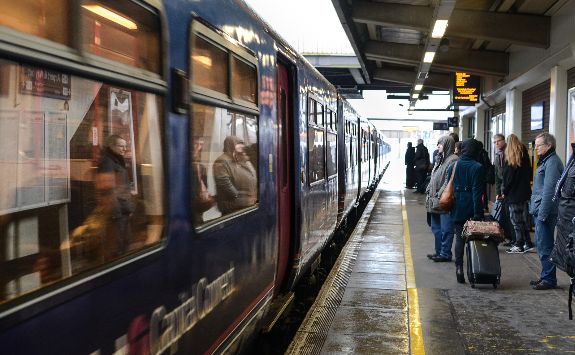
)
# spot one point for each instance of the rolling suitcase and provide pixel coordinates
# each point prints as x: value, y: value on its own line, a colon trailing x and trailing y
x: 483, y: 266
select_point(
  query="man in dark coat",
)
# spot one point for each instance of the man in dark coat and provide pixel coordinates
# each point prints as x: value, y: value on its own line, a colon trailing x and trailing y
x: 421, y: 165
x: 565, y: 196
x: 115, y: 197
x: 409, y: 165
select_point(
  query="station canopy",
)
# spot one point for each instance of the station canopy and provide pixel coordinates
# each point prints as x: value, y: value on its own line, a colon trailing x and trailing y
x: 391, y: 39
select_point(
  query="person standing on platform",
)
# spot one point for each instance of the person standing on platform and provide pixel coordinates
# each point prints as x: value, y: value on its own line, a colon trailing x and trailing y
x: 565, y: 198
x: 498, y: 162
x: 421, y: 165
x: 409, y: 165
x: 467, y: 187
x: 516, y: 190
x: 441, y: 223
x: 543, y: 209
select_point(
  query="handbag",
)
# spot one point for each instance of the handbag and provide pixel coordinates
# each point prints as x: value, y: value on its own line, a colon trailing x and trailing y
x: 447, y: 198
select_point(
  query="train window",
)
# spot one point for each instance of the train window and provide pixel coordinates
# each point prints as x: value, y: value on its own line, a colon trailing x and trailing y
x: 331, y: 154
x: 45, y: 19
x: 209, y: 66
x: 224, y: 162
x: 82, y: 176
x: 244, y: 80
x: 316, y: 154
x: 121, y: 31
x: 319, y: 118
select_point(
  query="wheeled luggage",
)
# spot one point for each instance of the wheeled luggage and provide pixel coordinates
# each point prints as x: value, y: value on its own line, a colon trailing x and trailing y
x: 483, y: 266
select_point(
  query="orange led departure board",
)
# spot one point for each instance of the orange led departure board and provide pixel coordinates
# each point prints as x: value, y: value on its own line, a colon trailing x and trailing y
x: 466, y: 89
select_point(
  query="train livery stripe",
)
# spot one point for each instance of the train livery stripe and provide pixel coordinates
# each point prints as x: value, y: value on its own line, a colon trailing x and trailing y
x: 242, y: 320
x: 415, y: 330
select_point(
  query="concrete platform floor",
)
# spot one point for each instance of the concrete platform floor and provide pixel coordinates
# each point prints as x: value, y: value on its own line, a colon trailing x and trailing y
x: 384, y: 296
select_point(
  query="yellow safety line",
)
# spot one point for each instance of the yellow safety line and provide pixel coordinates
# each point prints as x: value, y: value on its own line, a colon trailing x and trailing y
x: 415, y: 330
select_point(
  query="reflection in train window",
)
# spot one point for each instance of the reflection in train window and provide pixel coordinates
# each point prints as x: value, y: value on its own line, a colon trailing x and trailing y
x: 331, y: 154
x: 316, y: 154
x: 209, y: 66
x: 122, y: 31
x: 81, y: 171
x: 224, y: 162
x: 244, y: 80
x: 45, y: 19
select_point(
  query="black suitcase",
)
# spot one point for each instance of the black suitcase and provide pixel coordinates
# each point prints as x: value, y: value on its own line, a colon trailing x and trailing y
x: 483, y: 266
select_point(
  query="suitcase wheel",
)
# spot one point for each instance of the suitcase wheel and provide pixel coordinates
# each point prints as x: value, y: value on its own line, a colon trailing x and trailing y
x: 472, y: 285
x: 494, y: 285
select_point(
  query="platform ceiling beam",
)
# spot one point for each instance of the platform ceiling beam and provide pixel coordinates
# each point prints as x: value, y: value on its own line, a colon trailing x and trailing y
x: 520, y: 29
x: 474, y: 61
x: 434, y: 80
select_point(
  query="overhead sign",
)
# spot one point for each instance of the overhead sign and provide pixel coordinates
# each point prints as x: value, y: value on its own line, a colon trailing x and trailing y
x: 453, y: 121
x: 440, y: 126
x: 466, y: 89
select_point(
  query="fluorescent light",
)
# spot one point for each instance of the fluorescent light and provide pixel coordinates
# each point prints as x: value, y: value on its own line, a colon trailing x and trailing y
x: 418, y: 87
x: 428, y: 57
x: 415, y: 96
x: 439, y: 28
x: 112, y: 16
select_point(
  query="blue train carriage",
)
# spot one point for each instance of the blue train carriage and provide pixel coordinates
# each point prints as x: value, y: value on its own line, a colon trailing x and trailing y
x: 348, y: 168
x: 83, y: 237
x: 160, y: 181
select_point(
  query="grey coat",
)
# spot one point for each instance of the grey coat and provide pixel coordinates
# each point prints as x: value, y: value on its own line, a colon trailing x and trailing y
x: 549, y: 170
x: 438, y: 181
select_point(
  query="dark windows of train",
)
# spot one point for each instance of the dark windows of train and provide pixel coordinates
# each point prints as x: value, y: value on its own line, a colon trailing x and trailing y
x: 81, y: 171
x: 122, y: 31
x: 45, y: 19
x: 224, y: 127
x: 331, y: 154
x: 224, y: 162
x: 244, y: 80
x: 209, y: 66
x: 316, y: 154
x: 316, y: 141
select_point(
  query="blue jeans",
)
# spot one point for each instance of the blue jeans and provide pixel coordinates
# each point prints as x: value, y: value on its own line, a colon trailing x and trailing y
x: 545, y: 241
x: 442, y: 229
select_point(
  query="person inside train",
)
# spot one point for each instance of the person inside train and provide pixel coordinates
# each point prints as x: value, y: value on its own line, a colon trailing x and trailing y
x: 235, y: 177
x: 543, y: 209
x: 467, y: 187
x: 516, y: 191
x: 441, y: 223
x: 409, y: 164
x: 115, y: 197
x: 202, y: 201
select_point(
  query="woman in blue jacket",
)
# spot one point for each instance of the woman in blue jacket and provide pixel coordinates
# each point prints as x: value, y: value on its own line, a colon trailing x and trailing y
x: 468, y: 188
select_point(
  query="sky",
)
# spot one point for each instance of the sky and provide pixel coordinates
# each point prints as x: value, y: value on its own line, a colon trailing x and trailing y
x: 312, y: 26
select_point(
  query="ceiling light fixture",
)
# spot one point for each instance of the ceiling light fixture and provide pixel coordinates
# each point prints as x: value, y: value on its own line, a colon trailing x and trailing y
x: 439, y: 28
x: 418, y: 87
x: 112, y: 16
x: 428, y: 57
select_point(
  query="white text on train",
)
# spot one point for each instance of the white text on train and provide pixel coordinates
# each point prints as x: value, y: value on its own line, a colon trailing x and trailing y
x: 167, y: 328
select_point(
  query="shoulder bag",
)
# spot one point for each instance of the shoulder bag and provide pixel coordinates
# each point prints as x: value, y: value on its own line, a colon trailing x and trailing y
x: 448, y: 196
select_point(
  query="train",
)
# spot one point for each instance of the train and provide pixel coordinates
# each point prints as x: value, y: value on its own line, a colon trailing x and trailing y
x: 170, y: 171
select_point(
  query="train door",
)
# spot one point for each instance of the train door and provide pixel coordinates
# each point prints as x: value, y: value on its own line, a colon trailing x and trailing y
x: 284, y: 171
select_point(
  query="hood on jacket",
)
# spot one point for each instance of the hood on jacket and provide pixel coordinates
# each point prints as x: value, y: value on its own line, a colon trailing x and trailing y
x: 230, y: 144
x: 448, y: 146
x: 471, y: 148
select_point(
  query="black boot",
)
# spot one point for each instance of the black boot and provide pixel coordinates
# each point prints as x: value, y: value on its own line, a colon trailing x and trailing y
x: 459, y: 273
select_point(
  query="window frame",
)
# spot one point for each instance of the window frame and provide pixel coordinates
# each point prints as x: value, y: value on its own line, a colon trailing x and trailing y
x: 316, y: 126
x: 26, y: 49
x: 203, y: 96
